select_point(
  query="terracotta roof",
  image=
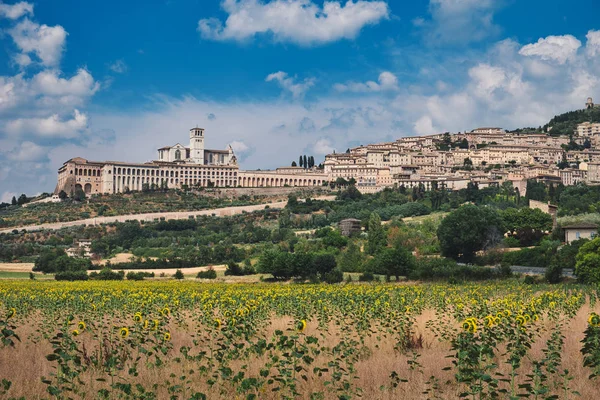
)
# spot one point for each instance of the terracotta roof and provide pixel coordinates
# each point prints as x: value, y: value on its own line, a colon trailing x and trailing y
x: 581, y: 225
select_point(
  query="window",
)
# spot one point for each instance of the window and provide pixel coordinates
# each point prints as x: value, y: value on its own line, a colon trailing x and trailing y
x: 577, y: 235
x: 177, y: 154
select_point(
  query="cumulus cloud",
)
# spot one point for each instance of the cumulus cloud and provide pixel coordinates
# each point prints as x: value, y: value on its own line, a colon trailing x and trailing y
x: 45, y: 42
x: 50, y: 127
x: 322, y: 147
x: 239, y: 147
x: 459, y: 21
x: 424, y: 126
x: 46, y: 92
x: 118, y: 67
x: 50, y: 83
x: 289, y: 83
x: 556, y: 48
x: 386, y: 81
x: 296, y: 21
x: 15, y: 11
x: 27, y: 151
x: 593, y: 43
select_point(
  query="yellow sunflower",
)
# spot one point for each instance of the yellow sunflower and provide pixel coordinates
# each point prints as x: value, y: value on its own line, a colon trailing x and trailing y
x: 217, y: 323
x: 137, y: 317
x: 594, y: 319
x: 11, y: 312
x: 75, y: 332
x: 123, y: 333
x: 81, y: 326
x: 301, y: 325
x: 167, y: 336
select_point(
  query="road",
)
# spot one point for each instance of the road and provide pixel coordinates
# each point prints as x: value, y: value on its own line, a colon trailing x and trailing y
x: 148, y: 217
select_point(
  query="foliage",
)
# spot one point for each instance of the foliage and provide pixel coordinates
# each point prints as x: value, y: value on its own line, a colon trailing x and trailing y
x: 467, y: 230
x: 107, y: 274
x: 210, y: 273
x: 587, y: 267
x: 376, y: 238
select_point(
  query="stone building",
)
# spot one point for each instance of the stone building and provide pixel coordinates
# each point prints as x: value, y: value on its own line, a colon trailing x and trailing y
x: 177, y: 167
x: 349, y: 226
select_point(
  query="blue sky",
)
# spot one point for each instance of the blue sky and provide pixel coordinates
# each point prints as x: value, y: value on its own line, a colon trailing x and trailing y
x: 115, y: 80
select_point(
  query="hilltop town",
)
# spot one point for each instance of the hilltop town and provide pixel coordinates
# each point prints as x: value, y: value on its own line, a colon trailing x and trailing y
x: 484, y: 156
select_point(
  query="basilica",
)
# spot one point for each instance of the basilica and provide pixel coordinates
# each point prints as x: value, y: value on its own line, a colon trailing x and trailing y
x: 177, y: 167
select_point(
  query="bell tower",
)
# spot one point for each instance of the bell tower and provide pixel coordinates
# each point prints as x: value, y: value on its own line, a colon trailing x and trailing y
x: 197, y: 145
x: 589, y: 104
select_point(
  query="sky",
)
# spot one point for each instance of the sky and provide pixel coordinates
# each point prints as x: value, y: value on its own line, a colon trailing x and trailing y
x: 116, y: 80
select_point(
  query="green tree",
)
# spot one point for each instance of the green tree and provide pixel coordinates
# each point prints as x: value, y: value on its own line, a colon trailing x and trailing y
x: 467, y: 230
x: 14, y: 201
x: 178, y: 275
x: 351, y: 260
x: 395, y: 262
x: 79, y: 195
x: 22, y: 199
x: 587, y: 267
x: 62, y: 195
x: 294, y: 164
x: 376, y: 238
x: 301, y: 161
x: 305, y: 162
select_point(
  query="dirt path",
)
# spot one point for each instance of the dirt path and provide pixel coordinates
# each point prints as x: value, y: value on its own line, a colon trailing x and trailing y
x: 148, y: 217
x: 16, y: 267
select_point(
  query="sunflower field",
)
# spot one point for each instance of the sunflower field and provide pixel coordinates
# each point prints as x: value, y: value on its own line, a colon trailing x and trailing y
x: 188, y: 340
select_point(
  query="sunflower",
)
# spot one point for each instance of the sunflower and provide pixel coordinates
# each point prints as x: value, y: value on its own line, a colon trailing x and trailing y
x: 11, y: 312
x: 301, y: 325
x: 165, y: 311
x: 217, y: 323
x: 521, y: 320
x: 167, y: 336
x: 137, y: 317
x: 489, y: 321
x: 155, y: 324
x: 124, y: 332
x: 146, y: 324
x: 81, y: 326
x: 470, y: 325
x: 75, y: 332
x: 594, y: 319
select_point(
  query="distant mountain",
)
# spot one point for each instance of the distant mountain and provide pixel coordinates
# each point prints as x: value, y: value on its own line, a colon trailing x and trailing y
x: 565, y: 124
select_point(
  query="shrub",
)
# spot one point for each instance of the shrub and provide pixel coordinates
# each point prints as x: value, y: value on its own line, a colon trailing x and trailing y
x: 447, y: 269
x: 210, y: 273
x: 178, y: 275
x: 334, y: 276
x: 554, y: 272
x: 107, y: 274
x: 71, y: 276
x: 366, y: 277
x: 139, y: 276
x: 234, y: 269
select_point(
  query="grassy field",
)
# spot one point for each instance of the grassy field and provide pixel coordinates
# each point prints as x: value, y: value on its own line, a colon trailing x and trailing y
x: 187, y: 340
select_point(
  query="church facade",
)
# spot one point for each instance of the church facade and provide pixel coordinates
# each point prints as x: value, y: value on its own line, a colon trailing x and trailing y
x: 177, y: 167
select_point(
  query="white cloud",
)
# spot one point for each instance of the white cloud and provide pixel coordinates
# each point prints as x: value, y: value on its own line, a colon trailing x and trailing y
x: 50, y: 127
x: 556, y: 48
x: 487, y: 78
x: 50, y: 83
x: 593, y: 43
x: 46, y: 42
x: 15, y: 11
x: 289, y: 84
x: 386, y: 81
x: 239, y: 147
x: 459, y: 21
x: 424, y: 126
x: 322, y: 147
x: 46, y: 92
x: 7, y: 197
x: 296, y: 21
x: 27, y: 151
x: 118, y: 67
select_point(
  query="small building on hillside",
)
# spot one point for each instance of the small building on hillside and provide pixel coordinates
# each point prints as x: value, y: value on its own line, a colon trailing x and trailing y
x: 350, y: 226
x: 583, y: 230
x: 80, y: 248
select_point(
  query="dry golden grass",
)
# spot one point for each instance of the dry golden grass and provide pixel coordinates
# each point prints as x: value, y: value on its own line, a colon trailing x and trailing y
x: 25, y: 364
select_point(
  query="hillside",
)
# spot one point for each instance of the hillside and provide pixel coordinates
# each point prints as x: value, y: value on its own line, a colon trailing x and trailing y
x: 566, y: 123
